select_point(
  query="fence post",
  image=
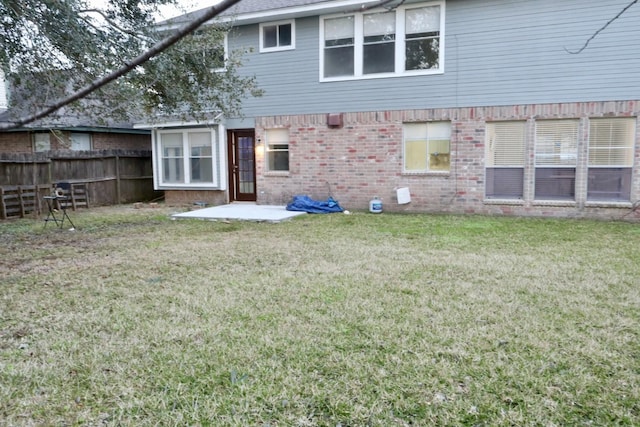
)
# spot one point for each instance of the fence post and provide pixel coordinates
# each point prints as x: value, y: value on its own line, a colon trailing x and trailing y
x: 118, y: 189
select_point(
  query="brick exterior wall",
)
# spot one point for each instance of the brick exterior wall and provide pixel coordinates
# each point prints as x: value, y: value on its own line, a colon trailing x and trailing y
x: 121, y: 141
x: 15, y: 142
x: 189, y: 197
x: 364, y: 158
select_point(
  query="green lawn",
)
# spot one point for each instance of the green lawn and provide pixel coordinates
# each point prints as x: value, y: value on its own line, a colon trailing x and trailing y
x: 325, y: 320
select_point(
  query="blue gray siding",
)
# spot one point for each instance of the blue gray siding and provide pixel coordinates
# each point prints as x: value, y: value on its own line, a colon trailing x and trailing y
x: 500, y: 52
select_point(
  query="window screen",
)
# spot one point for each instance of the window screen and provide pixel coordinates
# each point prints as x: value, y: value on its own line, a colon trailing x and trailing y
x: 556, y: 156
x: 610, y: 158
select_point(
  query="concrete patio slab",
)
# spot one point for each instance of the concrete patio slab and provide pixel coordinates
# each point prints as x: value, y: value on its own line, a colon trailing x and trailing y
x: 241, y: 212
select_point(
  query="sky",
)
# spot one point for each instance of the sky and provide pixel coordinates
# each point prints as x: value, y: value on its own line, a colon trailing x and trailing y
x: 189, y: 5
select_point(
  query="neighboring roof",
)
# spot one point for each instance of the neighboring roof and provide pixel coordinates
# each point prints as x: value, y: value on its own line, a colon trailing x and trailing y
x: 70, y: 122
x: 63, y: 119
x: 252, y: 6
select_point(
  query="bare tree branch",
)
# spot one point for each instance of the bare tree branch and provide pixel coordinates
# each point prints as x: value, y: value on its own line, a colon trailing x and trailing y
x: 109, y: 21
x: 594, y: 35
x: 158, y: 48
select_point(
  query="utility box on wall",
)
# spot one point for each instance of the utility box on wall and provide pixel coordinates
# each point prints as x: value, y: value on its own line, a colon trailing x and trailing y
x: 334, y: 120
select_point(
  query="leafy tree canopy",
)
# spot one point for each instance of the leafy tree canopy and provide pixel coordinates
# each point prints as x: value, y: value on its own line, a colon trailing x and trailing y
x: 52, y: 48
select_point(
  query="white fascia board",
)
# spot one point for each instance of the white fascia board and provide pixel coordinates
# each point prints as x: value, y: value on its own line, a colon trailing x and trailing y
x: 4, y: 104
x: 176, y: 124
x: 288, y: 13
x: 297, y: 11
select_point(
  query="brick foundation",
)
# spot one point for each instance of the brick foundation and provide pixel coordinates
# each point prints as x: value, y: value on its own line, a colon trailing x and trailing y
x: 363, y: 158
x: 189, y: 197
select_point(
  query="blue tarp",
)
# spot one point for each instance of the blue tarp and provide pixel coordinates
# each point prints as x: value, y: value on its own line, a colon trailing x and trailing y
x: 307, y: 204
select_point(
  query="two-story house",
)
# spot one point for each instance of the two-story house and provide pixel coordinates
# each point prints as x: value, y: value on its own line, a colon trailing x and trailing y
x: 475, y: 106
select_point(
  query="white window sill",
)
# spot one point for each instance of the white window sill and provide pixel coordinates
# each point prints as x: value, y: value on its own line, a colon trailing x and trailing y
x: 515, y: 202
x: 555, y: 203
x: 189, y: 187
x: 382, y: 76
x: 277, y: 173
x: 608, y: 204
x: 442, y: 174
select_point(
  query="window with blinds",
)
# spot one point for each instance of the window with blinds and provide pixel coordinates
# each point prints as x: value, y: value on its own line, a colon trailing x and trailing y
x: 556, y: 156
x: 277, y: 149
x: 610, y: 158
x: 505, y: 160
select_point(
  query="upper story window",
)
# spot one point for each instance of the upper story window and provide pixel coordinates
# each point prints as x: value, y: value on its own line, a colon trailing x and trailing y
x: 404, y: 41
x: 276, y: 36
x: 213, y: 56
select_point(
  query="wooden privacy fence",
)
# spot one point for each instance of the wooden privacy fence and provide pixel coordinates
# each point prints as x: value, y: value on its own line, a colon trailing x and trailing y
x: 97, y: 178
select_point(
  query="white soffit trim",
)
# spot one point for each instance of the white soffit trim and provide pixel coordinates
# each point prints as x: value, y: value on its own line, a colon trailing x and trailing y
x: 175, y: 124
x: 292, y: 12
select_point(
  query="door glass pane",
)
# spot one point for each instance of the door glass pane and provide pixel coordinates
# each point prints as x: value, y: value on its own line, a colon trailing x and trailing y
x: 246, y: 178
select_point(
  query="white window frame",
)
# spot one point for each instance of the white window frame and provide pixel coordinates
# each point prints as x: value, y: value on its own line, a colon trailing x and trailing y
x: 74, y: 144
x: 270, y: 148
x: 427, y: 154
x: 505, y: 148
x: 400, y: 44
x: 553, y: 155
x: 216, y: 160
x: 41, y: 141
x: 225, y: 47
x: 278, y: 47
x: 594, y: 163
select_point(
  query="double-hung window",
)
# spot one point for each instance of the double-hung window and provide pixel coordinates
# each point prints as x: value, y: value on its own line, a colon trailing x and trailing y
x: 406, y: 40
x: 277, y: 141
x: 187, y: 158
x: 80, y: 141
x: 339, y: 47
x: 422, y: 38
x: 41, y: 141
x: 556, y: 155
x: 505, y: 160
x: 379, y: 45
x: 426, y: 147
x: 610, y: 159
x: 277, y: 36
